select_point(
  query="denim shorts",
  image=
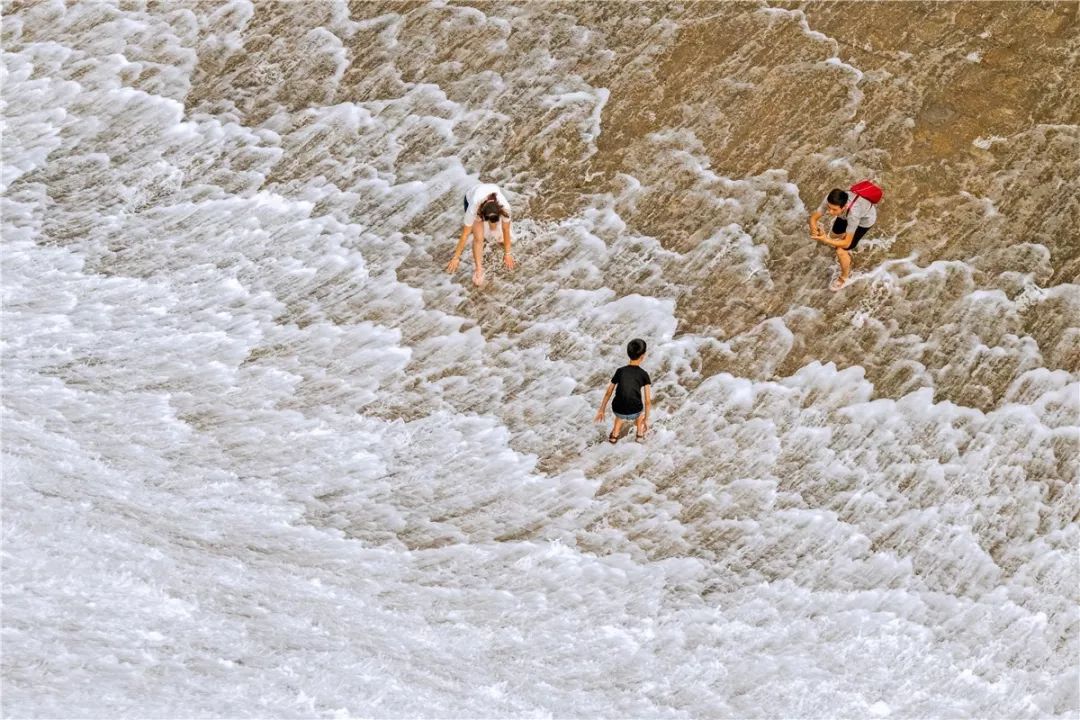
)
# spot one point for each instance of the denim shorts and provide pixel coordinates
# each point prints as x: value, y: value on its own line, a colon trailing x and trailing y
x: 630, y: 418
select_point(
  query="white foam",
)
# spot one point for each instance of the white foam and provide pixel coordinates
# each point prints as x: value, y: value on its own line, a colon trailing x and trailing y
x: 264, y: 455
x: 984, y: 143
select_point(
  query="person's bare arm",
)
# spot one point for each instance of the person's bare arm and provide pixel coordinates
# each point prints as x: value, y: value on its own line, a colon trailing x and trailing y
x: 604, y: 402
x: 815, y: 231
x: 648, y: 402
x: 843, y: 243
x: 452, y: 266
x: 507, y: 257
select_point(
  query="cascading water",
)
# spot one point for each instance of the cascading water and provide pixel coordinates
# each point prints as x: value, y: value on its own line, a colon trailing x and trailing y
x: 263, y: 457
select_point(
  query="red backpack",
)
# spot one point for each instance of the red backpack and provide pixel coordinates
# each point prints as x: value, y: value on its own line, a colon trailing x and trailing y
x: 866, y: 189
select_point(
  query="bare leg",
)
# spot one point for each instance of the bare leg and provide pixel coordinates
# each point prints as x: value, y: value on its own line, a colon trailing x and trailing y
x: 844, y: 257
x: 478, y: 252
x: 641, y: 428
x: 615, y: 430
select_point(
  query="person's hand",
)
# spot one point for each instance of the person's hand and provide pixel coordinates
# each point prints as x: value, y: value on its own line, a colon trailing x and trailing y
x: 599, y: 416
x: 508, y: 260
x: 451, y: 266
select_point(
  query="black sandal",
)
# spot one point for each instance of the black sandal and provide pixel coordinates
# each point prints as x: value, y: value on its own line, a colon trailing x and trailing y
x: 613, y: 438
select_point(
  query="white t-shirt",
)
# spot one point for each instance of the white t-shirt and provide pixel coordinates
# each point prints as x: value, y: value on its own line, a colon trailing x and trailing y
x: 862, y: 212
x: 476, y: 196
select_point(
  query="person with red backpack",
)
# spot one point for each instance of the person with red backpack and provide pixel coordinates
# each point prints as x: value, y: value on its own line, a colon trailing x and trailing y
x: 854, y: 214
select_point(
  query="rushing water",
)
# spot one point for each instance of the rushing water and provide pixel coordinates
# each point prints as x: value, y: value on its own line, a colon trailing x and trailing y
x: 264, y: 457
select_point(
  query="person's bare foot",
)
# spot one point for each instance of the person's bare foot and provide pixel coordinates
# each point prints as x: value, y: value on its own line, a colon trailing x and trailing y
x: 478, y: 277
x: 837, y: 284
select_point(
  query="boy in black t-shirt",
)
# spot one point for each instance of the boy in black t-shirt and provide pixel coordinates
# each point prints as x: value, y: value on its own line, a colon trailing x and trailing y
x: 627, y: 384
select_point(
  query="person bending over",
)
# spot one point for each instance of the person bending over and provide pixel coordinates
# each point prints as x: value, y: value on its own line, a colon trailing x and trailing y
x: 484, y: 204
x: 850, y: 223
x: 629, y: 383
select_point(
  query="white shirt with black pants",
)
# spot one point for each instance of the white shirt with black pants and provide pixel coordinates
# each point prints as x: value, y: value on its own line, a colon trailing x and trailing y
x: 860, y: 214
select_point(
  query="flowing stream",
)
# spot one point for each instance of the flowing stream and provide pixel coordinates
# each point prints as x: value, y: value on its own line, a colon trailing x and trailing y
x: 263, y: 457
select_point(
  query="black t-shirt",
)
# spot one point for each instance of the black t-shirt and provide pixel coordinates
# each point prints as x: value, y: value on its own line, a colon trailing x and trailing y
x: 628, y: 380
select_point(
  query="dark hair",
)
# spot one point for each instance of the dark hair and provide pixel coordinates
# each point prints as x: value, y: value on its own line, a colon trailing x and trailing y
x: 635, y: 348
x: 491, y: 211
x: 837, y: 197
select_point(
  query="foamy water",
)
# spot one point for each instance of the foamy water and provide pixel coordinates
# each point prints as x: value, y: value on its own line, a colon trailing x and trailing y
x: 264, y: 458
